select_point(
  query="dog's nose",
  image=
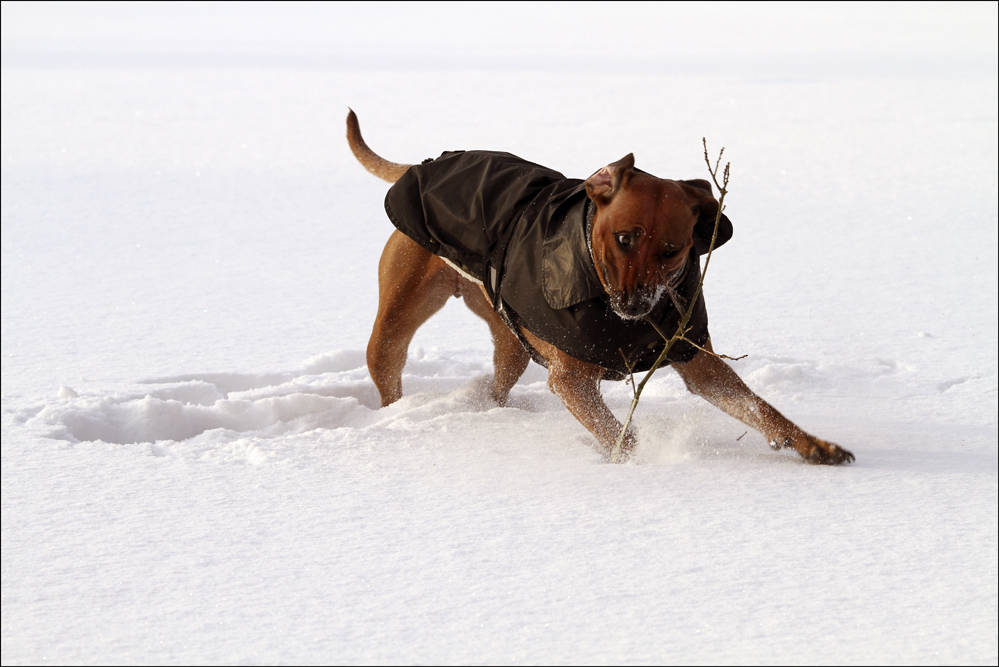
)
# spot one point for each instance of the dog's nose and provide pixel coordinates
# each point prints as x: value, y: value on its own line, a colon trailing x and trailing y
x: 637, y: 304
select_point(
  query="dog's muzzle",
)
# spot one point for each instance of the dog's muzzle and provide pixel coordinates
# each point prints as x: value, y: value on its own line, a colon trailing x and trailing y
x: 643, y: 299
x: 638, y: 304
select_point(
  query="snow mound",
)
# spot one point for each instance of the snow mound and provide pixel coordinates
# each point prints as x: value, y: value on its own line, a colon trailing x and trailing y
x: 226, y: 415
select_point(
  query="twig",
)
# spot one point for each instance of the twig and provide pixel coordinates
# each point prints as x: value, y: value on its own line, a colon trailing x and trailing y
x: 630, y: 367
x: 684, y: 338
x: 712, y: 352
x: 682, y: 327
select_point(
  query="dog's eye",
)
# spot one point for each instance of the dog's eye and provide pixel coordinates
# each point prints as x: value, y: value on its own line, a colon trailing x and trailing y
x: 669, y: 252
x: 624, y: 240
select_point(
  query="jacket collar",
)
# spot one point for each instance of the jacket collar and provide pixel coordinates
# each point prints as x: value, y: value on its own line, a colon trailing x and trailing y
x: 568, y: 273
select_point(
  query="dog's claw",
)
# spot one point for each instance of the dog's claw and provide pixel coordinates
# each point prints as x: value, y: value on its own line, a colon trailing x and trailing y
x: 820, y: 452
x: 777, y: 445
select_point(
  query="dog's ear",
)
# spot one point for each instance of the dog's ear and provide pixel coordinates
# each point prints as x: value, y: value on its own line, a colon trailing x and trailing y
x: 603, y: 185
x: 706, y: 208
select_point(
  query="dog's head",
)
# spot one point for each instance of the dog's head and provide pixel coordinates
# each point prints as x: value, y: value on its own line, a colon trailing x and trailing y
x: 643, y: 230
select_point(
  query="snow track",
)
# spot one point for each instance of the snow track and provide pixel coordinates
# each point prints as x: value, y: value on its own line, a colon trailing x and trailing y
x: 192, y: 413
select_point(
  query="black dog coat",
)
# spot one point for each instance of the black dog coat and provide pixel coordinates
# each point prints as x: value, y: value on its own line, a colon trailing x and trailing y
x: 521, y: 230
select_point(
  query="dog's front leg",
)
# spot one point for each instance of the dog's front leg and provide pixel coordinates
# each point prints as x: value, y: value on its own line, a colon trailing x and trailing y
x: 577, y: 384
x: 711, y: 378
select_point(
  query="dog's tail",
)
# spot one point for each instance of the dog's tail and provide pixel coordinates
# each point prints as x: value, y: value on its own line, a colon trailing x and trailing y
x: 377, y: 165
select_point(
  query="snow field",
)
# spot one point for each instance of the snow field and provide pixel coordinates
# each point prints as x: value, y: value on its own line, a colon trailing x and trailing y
x: 389, y: 542
x: 195, y: 467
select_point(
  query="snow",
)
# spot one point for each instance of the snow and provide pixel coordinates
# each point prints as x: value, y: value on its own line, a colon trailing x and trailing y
x: 194, y: 464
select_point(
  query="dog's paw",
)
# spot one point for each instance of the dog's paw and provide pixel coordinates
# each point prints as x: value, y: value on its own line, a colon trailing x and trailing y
x: 817, y: 451
x: 627, y: 449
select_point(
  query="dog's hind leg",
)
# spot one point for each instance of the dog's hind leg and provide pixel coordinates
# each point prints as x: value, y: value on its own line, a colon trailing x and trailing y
x: 509, y: 356
x: 413, y: 284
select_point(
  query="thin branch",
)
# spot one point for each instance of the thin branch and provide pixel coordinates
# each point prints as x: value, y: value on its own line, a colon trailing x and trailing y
x: 682, y: 327
x: 630, y: 367
x: 712, y: 352
x: 707, y: 160
x: 684, y: 338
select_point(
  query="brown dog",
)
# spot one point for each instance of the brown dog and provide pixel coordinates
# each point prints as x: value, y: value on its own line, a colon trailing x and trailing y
x: 630, y: 247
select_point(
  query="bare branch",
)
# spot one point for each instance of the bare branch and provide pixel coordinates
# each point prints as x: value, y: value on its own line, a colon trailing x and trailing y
x: 712, y: 353
x: 681, y: 328
x: 630, y: 367
x: 683, y: 337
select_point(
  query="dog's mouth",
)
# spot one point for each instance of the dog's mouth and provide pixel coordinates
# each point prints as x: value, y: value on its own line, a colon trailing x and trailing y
x: 640, y: 302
